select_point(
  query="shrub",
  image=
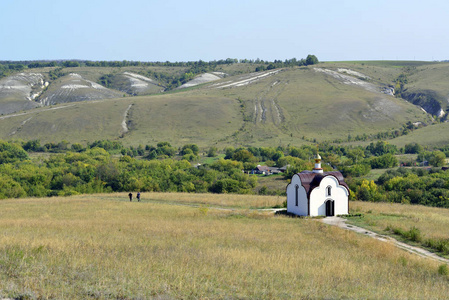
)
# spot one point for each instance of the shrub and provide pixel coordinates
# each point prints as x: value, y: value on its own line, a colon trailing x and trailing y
x: 415, y: 234
x: 443, y: 270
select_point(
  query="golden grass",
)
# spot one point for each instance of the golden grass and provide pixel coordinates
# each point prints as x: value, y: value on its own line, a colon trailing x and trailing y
x: 222, y: 200
x: 433, y: 222
x: 103, y: 246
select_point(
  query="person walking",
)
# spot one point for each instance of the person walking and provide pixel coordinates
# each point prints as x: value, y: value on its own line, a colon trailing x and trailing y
x: 130, y: 195
x: 138, y: 196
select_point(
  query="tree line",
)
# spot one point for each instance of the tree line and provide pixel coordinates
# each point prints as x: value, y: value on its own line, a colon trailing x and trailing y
x: 95, y: 170
x: 405, y: 185
x: 108, y: 166
x: 169, y: 81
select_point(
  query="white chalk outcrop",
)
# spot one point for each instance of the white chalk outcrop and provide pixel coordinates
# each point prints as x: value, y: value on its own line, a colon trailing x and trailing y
x: 75, y: 88
x: 203, y: 78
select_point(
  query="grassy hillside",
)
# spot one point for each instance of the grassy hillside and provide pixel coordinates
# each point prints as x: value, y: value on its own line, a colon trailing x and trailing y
x: 79, y: 122
x: 433, y: 135
x: 179, y: 119
x: 103, y: 246
x: 183, y: 118
x: 324, y: 102
x: 425, y: 86
x: 303, y: 102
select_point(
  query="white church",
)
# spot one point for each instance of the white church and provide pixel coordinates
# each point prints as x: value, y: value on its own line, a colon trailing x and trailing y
x: 318, y: 193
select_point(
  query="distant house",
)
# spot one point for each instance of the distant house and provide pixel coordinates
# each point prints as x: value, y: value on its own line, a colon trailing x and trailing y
x: 318, y: 193
x: 266, y: 170
x: 284, y: 168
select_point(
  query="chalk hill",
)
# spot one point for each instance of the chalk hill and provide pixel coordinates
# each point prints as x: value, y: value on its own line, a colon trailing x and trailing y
x: 74, y: 88
x: 135, y: 84
x: 326, y: 102
x: 19, y: 91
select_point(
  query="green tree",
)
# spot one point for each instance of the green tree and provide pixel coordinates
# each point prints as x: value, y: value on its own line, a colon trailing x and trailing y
x: 413, y: 148
x: 212, y: 152
x: 356, y: 154
x: 33, y: 145
x: 77, y: 147
x: 385, y: 161
x: 437, y: 158
x: 356, y: 170
x: 194, y: 149
x: 229, y: 152
x: 10, y: 152
x: 9, y: 188
x: 381, y: 148
x: 368, y: 191
x: 243, y: 155
x: 311, y: 59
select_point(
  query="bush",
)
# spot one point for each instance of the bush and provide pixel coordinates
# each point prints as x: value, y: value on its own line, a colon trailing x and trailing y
x: 212, y: 152
x: 383, y: 162
x: 440, y: 245
x: 414, y: 234
x: 443, y: 270
x: 225, y: 186
x: 10, y: 152
x: 356, y: 170
x: 244, y: 156
x: 189, y: 148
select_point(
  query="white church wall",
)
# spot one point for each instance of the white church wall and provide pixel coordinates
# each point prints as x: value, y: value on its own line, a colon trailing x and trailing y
x: 301, y: 208
x: 318, y: 197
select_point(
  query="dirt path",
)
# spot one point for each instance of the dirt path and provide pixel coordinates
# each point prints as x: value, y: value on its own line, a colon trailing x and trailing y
x: 35, y: 111
x: 125, y: 121
x: 340, y: 222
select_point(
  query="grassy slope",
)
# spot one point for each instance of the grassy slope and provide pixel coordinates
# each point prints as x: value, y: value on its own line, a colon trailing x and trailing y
x: 192, y: 120
x: 102, y: 246
x: 433, y: 135
x: 298, y: 101
x: 13, y: 104
x: 183, y: 118
x: 79, y: 122
x: 431, y: 221
x: 316, y: 106
x: 431, y: 77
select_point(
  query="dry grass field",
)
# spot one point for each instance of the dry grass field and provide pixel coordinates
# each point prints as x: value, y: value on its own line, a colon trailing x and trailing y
x: 213, y: 200
x: 433, y: 222
x: 105, y: 247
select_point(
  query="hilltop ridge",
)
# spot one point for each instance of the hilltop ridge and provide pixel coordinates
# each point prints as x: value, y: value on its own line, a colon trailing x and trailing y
x: 232, y: 104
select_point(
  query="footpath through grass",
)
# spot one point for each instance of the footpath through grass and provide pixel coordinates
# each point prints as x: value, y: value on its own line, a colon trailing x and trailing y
x: 103, y: 246
x: 416, y: 224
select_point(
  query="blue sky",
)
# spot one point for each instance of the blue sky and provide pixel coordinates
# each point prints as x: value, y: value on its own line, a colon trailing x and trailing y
x: 148, y: 30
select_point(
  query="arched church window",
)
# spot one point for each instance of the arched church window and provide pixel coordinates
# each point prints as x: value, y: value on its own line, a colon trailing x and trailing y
x: 296, y: 195
x: 328, y: 191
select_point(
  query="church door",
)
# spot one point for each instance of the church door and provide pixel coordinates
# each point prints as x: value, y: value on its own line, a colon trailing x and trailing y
x: 330, y: 208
